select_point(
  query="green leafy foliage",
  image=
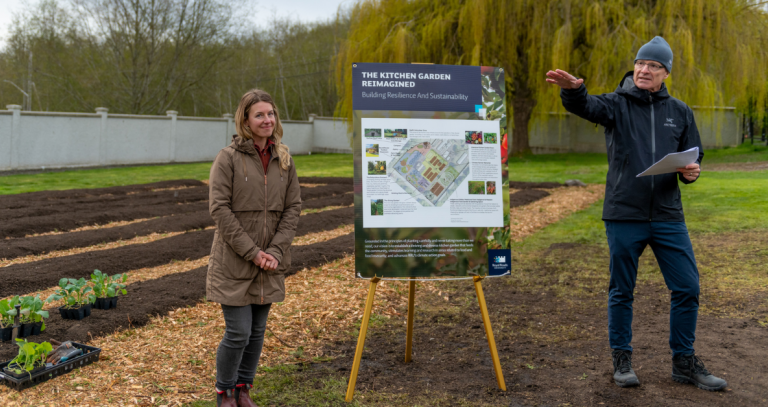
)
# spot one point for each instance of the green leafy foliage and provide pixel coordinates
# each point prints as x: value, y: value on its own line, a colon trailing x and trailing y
x: 105, y: 286
x: 31, y: 355
x: 8, y: 311
x: 32, y: 310
x: 74, y: 292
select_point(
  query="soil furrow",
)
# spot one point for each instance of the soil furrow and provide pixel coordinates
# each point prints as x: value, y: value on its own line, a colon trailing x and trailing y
x: 108, y: 203
x: 336, y: 200
x: 45, y: 197
x: 27, y: 277
x: 326, y: 180
x: 324, y: 191
x: 156, y: 297
x: 21, y: 227
x: 308, y: 223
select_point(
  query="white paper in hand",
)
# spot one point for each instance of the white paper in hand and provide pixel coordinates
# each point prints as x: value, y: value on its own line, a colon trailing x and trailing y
x: 671, y: 162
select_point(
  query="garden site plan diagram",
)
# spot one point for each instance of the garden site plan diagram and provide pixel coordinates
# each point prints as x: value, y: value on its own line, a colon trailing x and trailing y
x: 427, y: 173
x: 434, y: 168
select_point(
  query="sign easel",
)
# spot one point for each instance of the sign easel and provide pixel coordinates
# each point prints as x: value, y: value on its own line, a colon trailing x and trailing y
x: 431, y: 190
x: 409, y: 332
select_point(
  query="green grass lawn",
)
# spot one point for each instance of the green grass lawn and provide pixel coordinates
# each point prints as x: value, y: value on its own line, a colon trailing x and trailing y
x: 593, y: 167
x: 315, y: 165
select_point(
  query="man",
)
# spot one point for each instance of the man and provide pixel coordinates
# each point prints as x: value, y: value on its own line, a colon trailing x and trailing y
x: 643, y: 123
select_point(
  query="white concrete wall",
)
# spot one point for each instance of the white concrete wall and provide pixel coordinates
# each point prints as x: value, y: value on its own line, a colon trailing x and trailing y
x: 564, y: 132
x: 298, y: 136
x: 33, y: 140
x: 331, y: 135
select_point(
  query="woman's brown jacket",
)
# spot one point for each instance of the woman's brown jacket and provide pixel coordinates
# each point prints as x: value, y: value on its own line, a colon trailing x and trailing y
x: 253, y: 211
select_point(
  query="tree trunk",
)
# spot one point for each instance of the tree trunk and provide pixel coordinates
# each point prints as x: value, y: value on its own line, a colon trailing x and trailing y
x: 523, y: 103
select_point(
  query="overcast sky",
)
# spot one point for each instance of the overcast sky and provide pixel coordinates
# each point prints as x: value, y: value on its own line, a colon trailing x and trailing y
x: 302, y: 10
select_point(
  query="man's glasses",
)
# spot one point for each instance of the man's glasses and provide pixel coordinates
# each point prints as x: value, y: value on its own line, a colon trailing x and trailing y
x: 652, y: 67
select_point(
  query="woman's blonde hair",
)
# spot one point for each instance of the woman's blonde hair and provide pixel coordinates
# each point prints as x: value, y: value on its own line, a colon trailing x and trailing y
x: 249, y: 99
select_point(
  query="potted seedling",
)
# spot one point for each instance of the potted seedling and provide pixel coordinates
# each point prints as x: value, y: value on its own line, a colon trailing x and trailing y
x: 77, y: 298
x: 107, y: 289
x: 7, y: 314
x: 32, y: 315
x: 31, y: 358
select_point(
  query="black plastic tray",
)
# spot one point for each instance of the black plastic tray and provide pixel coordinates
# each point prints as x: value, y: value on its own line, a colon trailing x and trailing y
x: 90, y: 355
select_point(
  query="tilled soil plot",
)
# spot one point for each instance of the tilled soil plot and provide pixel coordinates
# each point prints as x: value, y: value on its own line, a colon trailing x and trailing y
x: 28, y: 277
x: 13, y: 248
x: 156, y: 297
x: 101, y: 208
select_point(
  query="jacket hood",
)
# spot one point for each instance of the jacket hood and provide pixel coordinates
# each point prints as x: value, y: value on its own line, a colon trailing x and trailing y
x: 245, y: 146
x: 627, y: 88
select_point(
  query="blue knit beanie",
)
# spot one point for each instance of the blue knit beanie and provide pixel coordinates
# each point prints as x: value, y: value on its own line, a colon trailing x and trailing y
x: 656, y: 50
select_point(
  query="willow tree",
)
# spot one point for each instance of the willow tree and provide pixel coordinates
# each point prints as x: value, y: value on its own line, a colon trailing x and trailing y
x: 720, y: 46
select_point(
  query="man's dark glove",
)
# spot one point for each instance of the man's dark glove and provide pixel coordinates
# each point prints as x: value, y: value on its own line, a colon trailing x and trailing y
x: 63, y: 352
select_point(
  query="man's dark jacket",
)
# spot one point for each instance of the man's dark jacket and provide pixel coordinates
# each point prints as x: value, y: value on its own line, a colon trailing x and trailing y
x: 640, y: 128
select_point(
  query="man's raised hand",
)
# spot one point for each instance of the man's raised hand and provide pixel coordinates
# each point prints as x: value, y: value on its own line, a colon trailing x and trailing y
x: 563, y: 79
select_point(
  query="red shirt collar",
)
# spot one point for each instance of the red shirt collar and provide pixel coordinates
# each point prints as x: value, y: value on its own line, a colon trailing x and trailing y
x: 266, y: 146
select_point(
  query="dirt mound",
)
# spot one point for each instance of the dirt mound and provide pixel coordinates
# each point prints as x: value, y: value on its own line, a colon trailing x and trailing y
x: 336, y: 200
x: 35, y: 198
x: 526, y: 196
x: 21, y: 227
x: 531, y: 185
x: 44, y: 244
x: 325, y: 191
x: 326, y: 180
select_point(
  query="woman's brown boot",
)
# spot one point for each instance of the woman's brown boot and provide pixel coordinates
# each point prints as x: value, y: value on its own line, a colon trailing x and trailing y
x: 226, y: 398
x: 242, y: 396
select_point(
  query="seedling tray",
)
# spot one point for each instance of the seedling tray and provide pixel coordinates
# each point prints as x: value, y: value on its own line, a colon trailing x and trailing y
x: 90, y: 355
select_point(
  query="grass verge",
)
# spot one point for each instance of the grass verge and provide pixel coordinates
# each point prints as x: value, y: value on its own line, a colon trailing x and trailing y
x: 315, y: 165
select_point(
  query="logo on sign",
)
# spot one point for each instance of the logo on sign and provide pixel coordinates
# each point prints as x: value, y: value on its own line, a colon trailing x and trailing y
x: 498, y: 261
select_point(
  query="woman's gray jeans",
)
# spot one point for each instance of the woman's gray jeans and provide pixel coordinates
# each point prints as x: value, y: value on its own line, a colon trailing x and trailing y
x: 239, y: 351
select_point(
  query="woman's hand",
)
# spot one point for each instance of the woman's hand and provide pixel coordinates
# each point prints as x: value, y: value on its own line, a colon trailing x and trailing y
x: 563, y: 79
x: 266, y: 261
x: 690, y: 171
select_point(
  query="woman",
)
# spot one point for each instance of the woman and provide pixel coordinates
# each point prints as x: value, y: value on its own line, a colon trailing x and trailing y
x: 255, y: 202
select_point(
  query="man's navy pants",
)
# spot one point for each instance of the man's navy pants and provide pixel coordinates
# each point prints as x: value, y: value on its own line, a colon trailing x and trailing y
x: 672, y: 246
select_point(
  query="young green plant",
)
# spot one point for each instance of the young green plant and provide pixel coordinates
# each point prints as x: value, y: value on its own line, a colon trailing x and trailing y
x: 32, y: 310
x: 31, y: 355
x: 105, y: 286
x: 8, y: 311
x: 74, y: 292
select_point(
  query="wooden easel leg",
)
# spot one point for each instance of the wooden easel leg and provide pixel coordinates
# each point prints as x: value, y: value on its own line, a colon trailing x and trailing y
x: 489, y: 333
x: 409, y: 331
x: 361, y: 339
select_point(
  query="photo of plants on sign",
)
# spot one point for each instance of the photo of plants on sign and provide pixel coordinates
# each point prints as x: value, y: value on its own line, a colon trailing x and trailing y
x: 377, y: 207
x: 372, y: 133
x: 477, y: 187
x: 395, y: 133
x: 377, y: 168
x: 490, y: 138
x: 473, y: 137
x: 371, y: 150
x: 490, y: 187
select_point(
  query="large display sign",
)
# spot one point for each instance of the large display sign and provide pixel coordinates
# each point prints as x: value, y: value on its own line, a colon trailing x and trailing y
x: 431, y: 188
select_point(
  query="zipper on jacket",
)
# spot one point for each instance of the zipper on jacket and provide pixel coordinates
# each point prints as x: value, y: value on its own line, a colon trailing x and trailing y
x: 245, y: 168
x: 265, y: 233
x: 653, y: 157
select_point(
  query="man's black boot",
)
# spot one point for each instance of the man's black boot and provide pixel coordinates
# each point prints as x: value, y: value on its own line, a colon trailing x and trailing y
x: 623, y: 374
x: 690, y: 369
